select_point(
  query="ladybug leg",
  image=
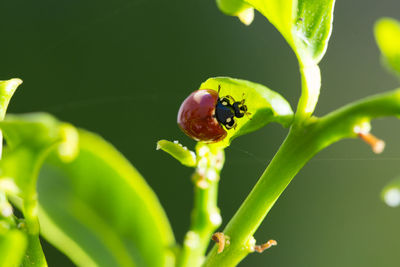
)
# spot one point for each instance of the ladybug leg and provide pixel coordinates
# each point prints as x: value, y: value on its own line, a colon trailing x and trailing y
x: 235, y: 125
x: 243, y: 100
x: 219, y: 88
x: 243, y: 108
x: 248, y: 114
x: 241, y: 104
x: 245, y: 112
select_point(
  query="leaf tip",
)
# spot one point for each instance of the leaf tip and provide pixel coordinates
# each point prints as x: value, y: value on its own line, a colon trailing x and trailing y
x: 12, y: 85
x: 246, y: 16
x: 238, y: 8
x: 159, y: 144
x: 178, y: 151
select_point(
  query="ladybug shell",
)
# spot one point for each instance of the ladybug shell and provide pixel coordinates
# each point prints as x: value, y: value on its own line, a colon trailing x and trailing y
x: 196, y: 117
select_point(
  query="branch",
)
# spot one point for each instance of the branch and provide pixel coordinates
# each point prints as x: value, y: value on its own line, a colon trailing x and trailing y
x: 301, y: 144
x: 205, y: 215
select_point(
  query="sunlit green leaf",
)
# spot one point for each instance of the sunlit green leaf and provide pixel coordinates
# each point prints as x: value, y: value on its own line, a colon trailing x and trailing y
x: 99, y: 211
x: 12, y: 247
x: 96, y: 208
x: 238, y: 8
x: 312, y: 28
x: 305, y: 24
x: 264, y: 105
x: 7, y: 89
x: 387, y: 34
x: 179, y: 152
x: 281, y: 13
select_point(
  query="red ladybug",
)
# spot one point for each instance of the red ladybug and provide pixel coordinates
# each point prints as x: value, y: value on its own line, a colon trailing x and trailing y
x: 204, y: 116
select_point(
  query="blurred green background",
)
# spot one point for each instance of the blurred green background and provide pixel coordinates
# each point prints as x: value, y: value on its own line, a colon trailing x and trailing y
x: 121, y: 68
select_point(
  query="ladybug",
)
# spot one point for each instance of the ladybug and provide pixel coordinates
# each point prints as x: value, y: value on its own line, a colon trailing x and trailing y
x: 204, y: 115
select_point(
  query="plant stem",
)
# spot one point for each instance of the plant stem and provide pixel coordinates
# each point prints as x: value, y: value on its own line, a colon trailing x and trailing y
x: 310, y: 84
x: 301, y: 144
x: 287, y: 162
x: 205, y: 214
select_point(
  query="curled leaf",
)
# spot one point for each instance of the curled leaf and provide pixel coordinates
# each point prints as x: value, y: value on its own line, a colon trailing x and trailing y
x: 264, y: 105
x: 179, y: 152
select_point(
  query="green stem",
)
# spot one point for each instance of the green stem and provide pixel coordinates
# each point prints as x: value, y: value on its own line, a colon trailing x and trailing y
x: 34, y: 253
x: 301, y: 145
x: 205, y: 215
x: 310, y: 84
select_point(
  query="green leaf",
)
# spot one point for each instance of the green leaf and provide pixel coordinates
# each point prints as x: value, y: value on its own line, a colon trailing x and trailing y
x: 281, y: 14
x: 30, y: 137
x: 12, y: 247
x: 391, y: 193
x: 305, y: 24
x: 312, y: 28
x: 387, y: 35
x: 264, y: 105
x: 7, y: 89
x: 179, y: 152
x: 103, y: 214
x: 34, y: 256
x: 99, y: 211
x: 237, y: 8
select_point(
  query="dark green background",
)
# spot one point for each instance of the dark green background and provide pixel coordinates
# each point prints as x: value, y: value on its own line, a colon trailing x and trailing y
x: 122, y: 68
